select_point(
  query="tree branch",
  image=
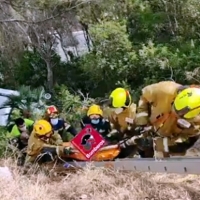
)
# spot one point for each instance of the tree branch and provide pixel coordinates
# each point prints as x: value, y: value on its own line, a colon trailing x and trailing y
x: 44, y: 20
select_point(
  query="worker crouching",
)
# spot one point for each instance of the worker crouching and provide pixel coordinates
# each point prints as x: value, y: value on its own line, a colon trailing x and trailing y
x: 122, y: 119
x: 44, y: 145
x: 59, y: 124
x: 124, y: 110
x: 95, y: 118
x: 172, y: 111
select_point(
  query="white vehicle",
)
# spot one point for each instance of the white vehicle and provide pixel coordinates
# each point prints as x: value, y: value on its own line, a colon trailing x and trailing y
x: 5, y: 111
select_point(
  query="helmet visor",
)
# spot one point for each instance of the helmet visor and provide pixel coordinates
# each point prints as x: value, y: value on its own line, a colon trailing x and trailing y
x: 188, y: 113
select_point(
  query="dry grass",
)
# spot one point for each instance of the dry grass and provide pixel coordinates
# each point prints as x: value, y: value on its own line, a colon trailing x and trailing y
x: 98, y: 184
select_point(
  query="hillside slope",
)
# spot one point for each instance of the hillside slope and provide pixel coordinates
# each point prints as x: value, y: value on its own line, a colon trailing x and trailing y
x: 96, y: 184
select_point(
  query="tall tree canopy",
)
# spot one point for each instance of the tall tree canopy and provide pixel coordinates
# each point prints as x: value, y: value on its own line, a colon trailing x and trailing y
x: 130, y: 43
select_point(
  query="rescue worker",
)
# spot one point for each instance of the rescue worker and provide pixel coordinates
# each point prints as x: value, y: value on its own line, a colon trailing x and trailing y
x: 172, y: 110
x: 123, y: 110
x: 44, y: 144
x: 19, y: 135
x: 95, y: 118
x: 59, y: 124
x: 122, y: 119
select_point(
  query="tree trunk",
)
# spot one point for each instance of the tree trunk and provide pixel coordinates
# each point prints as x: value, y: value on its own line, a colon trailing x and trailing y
x: 49, y: 77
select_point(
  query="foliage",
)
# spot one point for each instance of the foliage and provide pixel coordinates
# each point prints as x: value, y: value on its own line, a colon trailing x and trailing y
x: 111, y: 58
x: 163, y: 48
x: 73, y: 107
x: 31, y: 70
x: 134, y: 43
x: 3, y: 146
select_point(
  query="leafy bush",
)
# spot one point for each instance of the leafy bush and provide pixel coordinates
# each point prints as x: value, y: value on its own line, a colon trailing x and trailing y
x: 3, y: 141
x: 28, y: 103
x: 73, y: 106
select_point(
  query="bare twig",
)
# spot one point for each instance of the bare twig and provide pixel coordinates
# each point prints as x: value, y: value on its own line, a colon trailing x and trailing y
x: 85, y: 98
x: 44, y: 20
x: 175, y: 14
x: 172, y: 74
x: 166, y: 10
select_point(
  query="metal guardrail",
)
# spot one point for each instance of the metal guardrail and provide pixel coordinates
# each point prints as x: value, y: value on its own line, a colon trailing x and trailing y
x: 170, y: 165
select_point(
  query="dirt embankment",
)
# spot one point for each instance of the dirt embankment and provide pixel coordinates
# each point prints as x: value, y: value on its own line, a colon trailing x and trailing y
x: 98, y: 184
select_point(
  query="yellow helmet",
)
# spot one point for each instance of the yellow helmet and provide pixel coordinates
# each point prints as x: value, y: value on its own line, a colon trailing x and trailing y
x: 120, y: 97
x: 42, y: 127
x: 94, y: 110
x: 187, y: 103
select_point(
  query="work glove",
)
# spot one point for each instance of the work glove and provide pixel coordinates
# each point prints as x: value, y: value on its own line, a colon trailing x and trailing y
x: 24, y: 135
x: 112, y: 133
x: 13, y: 144
x: 14, y: 141
x: 68, y: 150
x: 139, y: 129
x: 128, y: 142
x: 142, y: 129
x: 144, y: 142
x: 122, y: 144
x: 111, y: 137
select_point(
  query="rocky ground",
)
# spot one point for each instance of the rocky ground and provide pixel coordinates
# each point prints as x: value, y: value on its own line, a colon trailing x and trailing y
x: 98, y: 184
